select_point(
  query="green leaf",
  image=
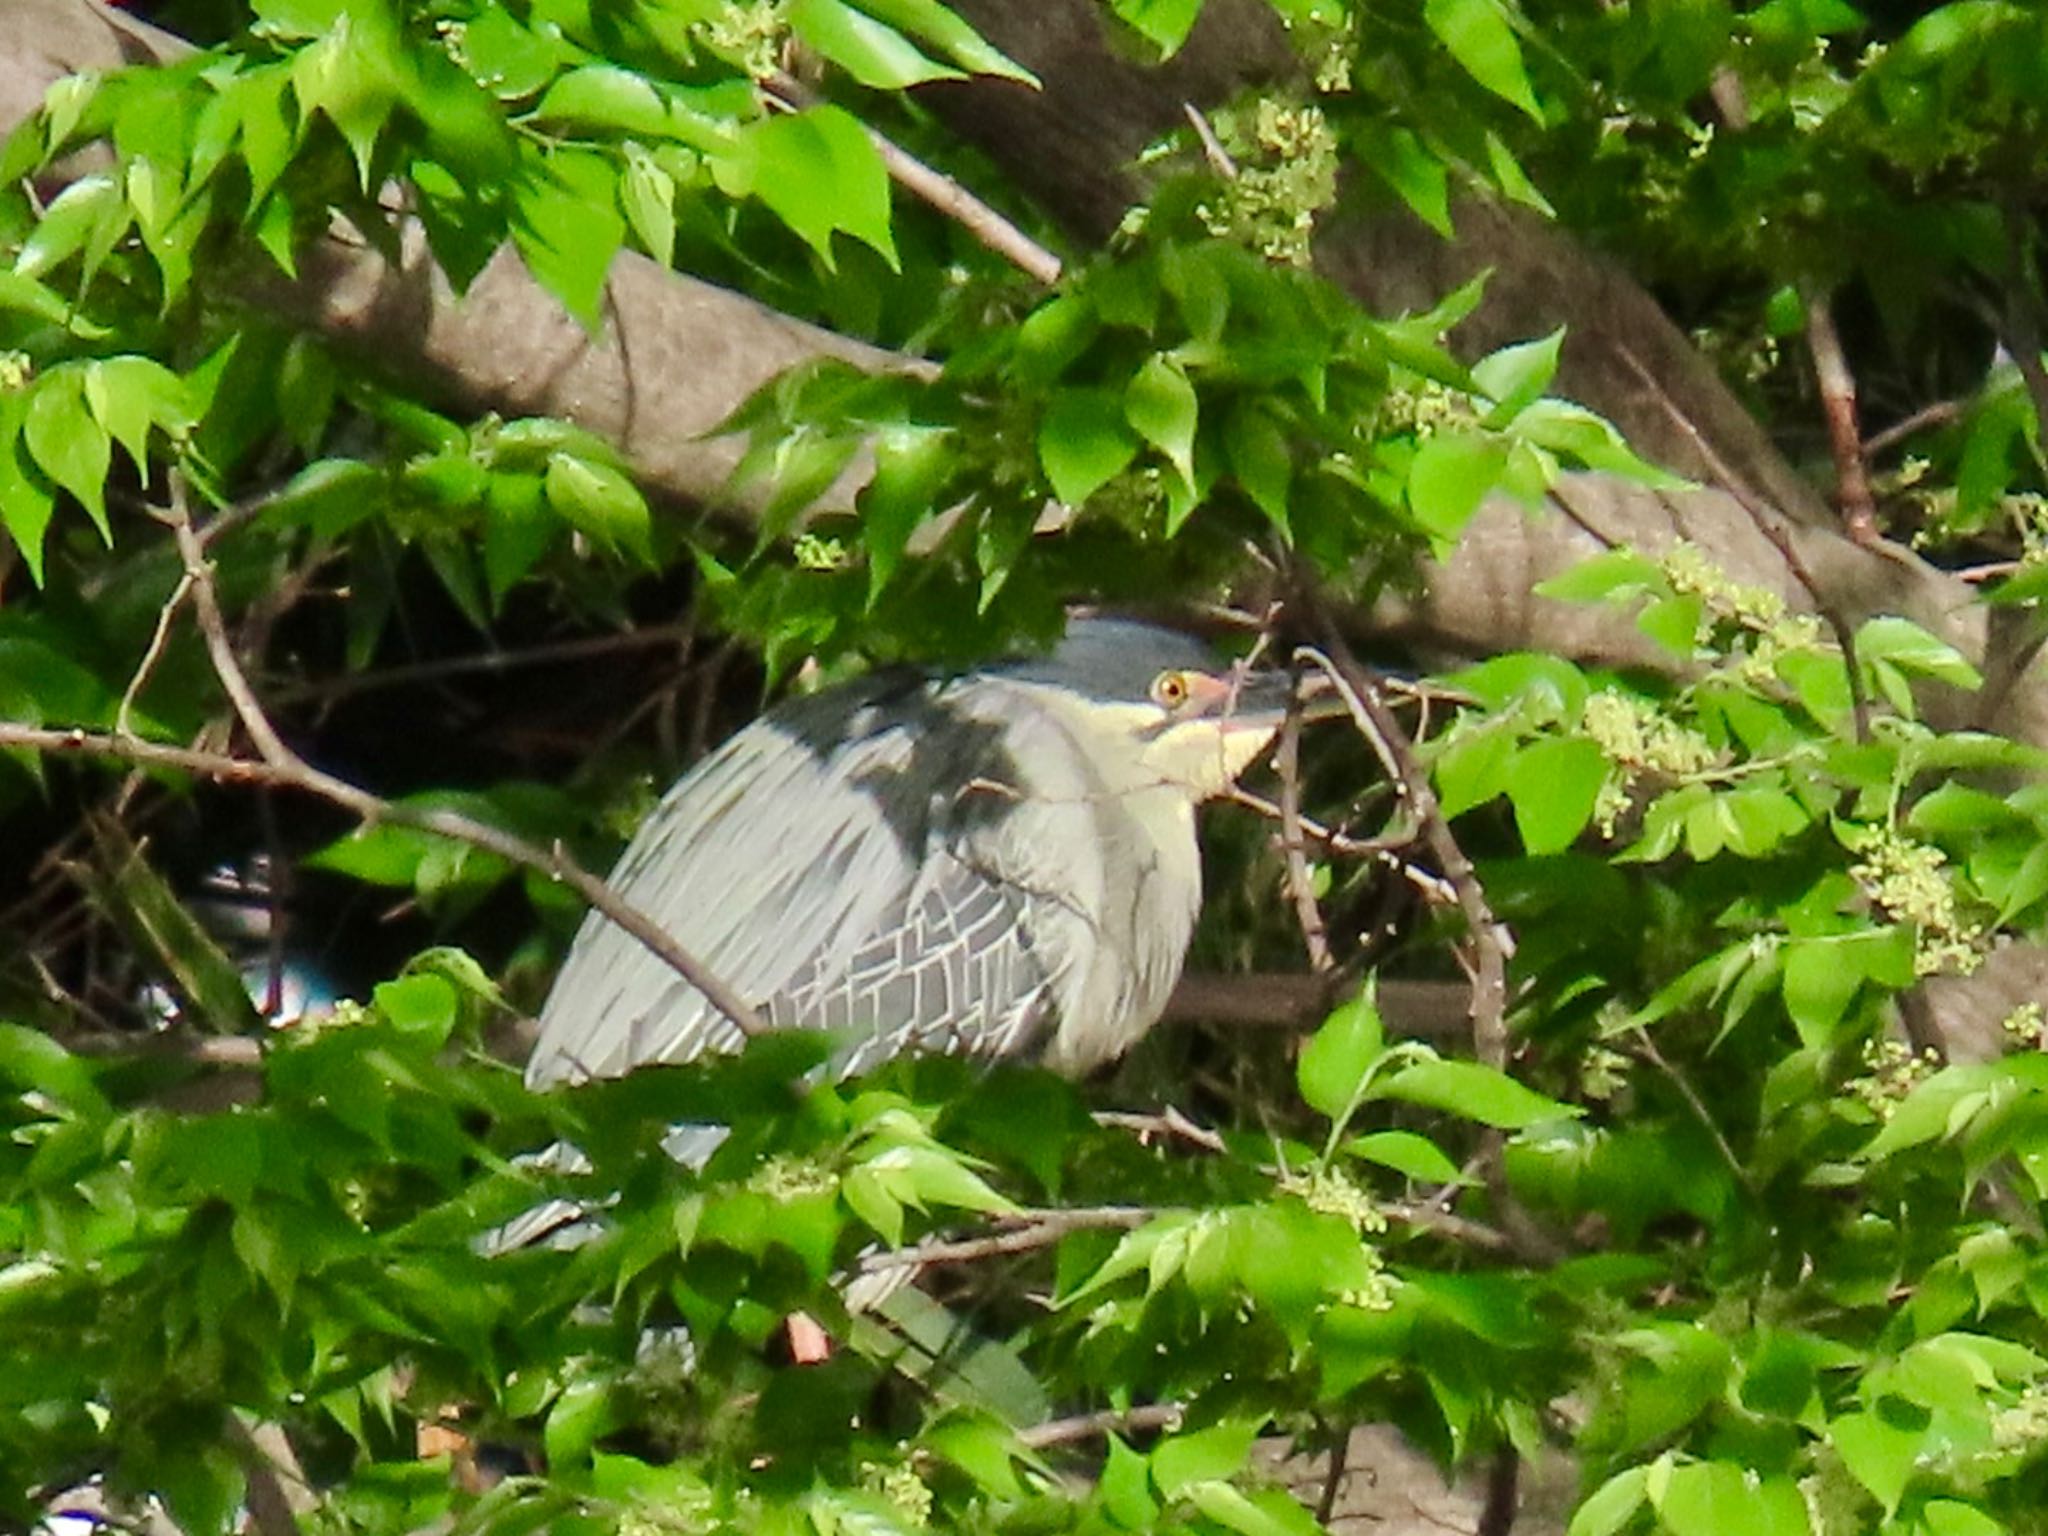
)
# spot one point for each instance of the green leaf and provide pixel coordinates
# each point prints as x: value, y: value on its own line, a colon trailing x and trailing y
x: 819, y: 173
x: 1473, y: 768
x: 1515, y: 376
x: 1415, y: 1157
x: 1160, y: 403
x: 874, y: 53
x: 1083, y: 443
x: 1720, y: 1498
x: 1552, y: 786
x: 1610, y: 575
x: 1339, y: 1057
x: 912, y: 465
x: 567, y: 231
x: 587, y: 1409
x: 1952, y: 1517
x: 67, y: 443
x: 1612, y: 1505
x: 351, y: 78
x: 1277, y: 1514
x: 1822, y: 975
x: 1260, y: 458
x: 128, y: 396
x: 1451, y: 475
x: 26, y: 501
x: 422, y: 1005
x: 90, y: 215
x: 1473, y: 1092
x: 1201, y: 1456
x: 1479, y: 36
x: 1163, y: 23
x: 648, y: 195
x: 1125, y: 1488
x: 940, y: 27
x: 601, y: 502
x: 1912, y: 649
x: 1417, y: 176
x: 1878, y: 1453
x: 606, y: 98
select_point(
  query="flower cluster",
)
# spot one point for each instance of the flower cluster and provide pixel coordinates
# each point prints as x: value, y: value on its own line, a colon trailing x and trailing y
x: 901, y: 1488
x: 2027, y: 1027
x: 1907, y: 880
x: 1638, y: 737
x: 1287, y: 177
x: 1756, y: 611
x: 791, y: 1178
x: 751, y: 35
x: 1892, y: 1069
x: 1331, y: 1192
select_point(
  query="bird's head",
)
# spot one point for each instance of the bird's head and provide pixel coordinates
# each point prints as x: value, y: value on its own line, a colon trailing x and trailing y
x: 1159, y: 706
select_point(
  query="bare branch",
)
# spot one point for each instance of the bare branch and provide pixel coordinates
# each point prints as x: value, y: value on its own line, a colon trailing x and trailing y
x: 1838, y: 406
x: 1088, y: 1426
x: 1038, y: 1229
x: 1489, y: 941
x: 1315, y: 935
x: 298, y: 775
x: 1169, y: 1124
x: 1939, y: 414
x: 124, y: 715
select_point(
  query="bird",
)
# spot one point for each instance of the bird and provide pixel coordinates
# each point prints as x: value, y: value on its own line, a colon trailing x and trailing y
x: 1000, y: 862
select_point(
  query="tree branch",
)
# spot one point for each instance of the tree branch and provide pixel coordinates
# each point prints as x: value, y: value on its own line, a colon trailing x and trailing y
x: 295, y: 774
x: 1838, y: 406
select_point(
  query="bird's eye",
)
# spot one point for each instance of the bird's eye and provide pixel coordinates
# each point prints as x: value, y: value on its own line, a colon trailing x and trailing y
x: 1170, y: 690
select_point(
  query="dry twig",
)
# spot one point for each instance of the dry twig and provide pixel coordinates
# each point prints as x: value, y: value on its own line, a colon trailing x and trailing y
x: 1838, y: 406
x: 1490, y: 942
x: 282, y: 768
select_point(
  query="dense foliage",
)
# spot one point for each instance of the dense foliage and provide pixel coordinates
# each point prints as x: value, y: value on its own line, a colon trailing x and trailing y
x: 1723, y: 1222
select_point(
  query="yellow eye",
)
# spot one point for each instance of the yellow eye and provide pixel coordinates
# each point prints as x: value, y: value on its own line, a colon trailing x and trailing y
x: 1170, y: 690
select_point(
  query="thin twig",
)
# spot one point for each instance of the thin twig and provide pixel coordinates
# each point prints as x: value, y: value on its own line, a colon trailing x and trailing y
x: 1315, y: 934
x: 1838, y: 406
x: 1497, y: 1518
x: 1939, y: 414
x: 1212, y: 147
x: 213, y: 629
x: 277, y: 1490
x: 1172, y: 1123
x: 1089, y: 1426
x: 1380, y: 848
x: 1033, y: 1229
x: 301, y: 775
x: 938, y: 189
x: 1489, y: 940
x: 1333, y: 1476
x: 152, y: 655
x: 1646, y: 1047
x: 1460, y: 1229
x: 488, y: 662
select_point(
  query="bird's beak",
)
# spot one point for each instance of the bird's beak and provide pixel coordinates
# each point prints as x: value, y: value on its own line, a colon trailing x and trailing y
x: 1262, y: 698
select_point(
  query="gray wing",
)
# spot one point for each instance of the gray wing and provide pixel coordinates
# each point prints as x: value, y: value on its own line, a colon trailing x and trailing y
x: 818, y: 863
